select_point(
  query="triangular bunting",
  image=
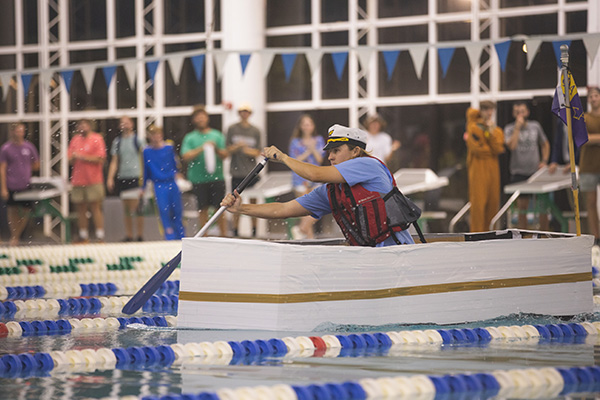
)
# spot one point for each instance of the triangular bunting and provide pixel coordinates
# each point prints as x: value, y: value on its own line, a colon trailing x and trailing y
x: 88, y: 74
x: 532, y: 48
x: 109, y: 72
x: 220, y: 61
x: 152, y: 66
x: 502, y: 51
x: 45, y: 77
x: 288, y: 59
x: 591, y: 44
x: 556, y: 45
x: 364, y: 57
x: 390, y: 57
x: 474, y: 53
x: 26, y: 79
x: 313, y: 56
x: 244, y: 59
x: 339, y: 62
x: 130, y: 72
x: 267, y: 59
x: 445, y: 54
x: 67, y: 77
x: 175, y: 66
x: 418, y: 54
x: 198, y: 64
x: 5, y: 79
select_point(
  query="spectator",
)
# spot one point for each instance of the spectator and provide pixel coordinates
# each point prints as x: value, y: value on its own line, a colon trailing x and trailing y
x: 204, y: 150
x: 380, y: 143
x: 124, y: 173
x: 307, y: 146
x: 18, y: 158
x: 526, y: 140
x: 485, y: 141
x: 589, y: 168
x: 160, y: 167
x: 243, y: 143
x: 87, y: 154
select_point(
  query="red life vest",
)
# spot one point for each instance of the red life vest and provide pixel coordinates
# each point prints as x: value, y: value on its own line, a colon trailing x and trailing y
x: 360, y: 213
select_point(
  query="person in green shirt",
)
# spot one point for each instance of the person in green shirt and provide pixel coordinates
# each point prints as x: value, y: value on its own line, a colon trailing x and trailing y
x: 203, y: 149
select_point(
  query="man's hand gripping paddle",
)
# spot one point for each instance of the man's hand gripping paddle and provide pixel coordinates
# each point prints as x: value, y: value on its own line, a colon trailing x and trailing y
x: 150, y: 287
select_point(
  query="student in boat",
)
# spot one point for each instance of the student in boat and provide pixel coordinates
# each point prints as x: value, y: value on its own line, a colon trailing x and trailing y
x: 354, y: 177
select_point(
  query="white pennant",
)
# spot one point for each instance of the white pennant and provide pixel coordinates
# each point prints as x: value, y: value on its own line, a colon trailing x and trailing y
x: 418, y: 53
x: 364, y: 57
x: 474, y: 53
x: 267, y: 59
x: 5, y: 79
x: 532, y: 47
x: 45, y: 77
x: 130, y: 72
x: 313, y: 56
x: 591, y: 44
x: 220, y: 61
x: 175, y: 65
x: 88, y: 74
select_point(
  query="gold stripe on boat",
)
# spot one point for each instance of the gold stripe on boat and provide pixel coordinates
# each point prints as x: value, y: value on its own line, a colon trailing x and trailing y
x: 384, y: 293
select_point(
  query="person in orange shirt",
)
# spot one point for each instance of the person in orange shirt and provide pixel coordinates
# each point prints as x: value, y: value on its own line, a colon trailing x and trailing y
x: 87, y: 154
x: 485, y: 141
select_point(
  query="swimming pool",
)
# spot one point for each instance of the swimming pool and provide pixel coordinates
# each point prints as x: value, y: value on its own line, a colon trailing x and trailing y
x: 104, y: 275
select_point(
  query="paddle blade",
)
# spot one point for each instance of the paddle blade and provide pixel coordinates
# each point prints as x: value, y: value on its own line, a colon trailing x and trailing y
x: 150, y: 287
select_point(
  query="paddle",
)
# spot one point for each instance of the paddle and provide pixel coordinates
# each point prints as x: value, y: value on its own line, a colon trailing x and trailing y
x: 150, y: 287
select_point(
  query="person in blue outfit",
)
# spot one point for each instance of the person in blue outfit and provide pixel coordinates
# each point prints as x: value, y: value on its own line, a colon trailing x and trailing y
x: 160, y: 167
x: 354, y: 190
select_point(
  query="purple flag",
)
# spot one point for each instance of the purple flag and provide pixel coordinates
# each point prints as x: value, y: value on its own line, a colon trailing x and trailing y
x: 580, y: 134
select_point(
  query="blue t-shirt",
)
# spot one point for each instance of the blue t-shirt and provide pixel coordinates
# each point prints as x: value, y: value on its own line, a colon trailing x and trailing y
x: 371, y: 174
x: 159, y: 164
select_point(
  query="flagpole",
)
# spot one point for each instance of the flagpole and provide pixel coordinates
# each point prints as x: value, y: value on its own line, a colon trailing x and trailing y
x: 566, y: 88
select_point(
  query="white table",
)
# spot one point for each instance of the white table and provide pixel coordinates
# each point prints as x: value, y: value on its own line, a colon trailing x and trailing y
x: 416, y: 180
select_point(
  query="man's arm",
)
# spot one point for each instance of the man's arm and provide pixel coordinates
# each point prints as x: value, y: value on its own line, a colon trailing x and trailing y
x: 277, y: 210
x: 3, y: 187
x: 191, y: 154
x: 545, y: 153
x: 313, y: 173
x: 112, y: 171
x: 513, y: 141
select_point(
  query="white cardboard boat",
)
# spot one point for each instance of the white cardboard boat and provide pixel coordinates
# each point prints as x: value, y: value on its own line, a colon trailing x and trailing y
x: 250, y: 284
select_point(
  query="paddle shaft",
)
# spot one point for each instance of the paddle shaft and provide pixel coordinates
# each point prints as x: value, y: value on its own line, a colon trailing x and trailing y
x: 150, y: 287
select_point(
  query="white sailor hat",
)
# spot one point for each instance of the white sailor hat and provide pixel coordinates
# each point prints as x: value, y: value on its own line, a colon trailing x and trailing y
x: 339, y: 135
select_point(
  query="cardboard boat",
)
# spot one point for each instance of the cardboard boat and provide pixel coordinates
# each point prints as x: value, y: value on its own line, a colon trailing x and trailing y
x: 251, y: 284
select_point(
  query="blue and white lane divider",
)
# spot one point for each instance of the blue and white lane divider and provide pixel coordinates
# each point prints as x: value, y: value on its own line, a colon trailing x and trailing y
x: 247, y: 351
x: 515, y: 383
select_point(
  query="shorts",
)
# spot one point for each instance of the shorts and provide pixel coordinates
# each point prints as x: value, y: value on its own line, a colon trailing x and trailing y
x: 122, y: 185
x: 87, y: 194
x: 209, y: 194
x: 520, y: 178
x: 588, y: 181
x: 12, y: 202
x: 235, y: 182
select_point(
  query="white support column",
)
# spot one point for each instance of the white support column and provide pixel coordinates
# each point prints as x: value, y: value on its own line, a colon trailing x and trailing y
x: 65, y: 106
x: 315, y: 43
x: 433, y: 54
x: 476, y: 68
x: 19, y: 57
x: 594, y: 27
x: 140, y: 87
x: 373, y: 69
x: 353, y: 77
x: 494, y: 35
x: 111, y: 34
x: 159, y: 50
x: 209, y: 62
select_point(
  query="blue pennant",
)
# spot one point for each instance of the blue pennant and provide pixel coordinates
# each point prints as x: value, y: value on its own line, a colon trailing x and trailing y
x: 556, y: 45
x: 339, y: 62
x: 289, y: 59
x: 109, y: 72
x: 67, y: 78
x: 152, y: 67
x: 502, y: 51
x: 26, y: 78
x: 390, y: 57
x: 445, y: 54
x: 244, y: 59
x: 198, y: 64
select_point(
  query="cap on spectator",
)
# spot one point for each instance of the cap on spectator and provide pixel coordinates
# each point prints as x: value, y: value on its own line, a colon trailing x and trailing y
x: 245, y: 107
x: 339, y: 135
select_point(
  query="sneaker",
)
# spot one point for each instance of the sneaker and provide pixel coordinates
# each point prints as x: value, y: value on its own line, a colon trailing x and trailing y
x: 140, y: 239
x: 127, y: 239
x: 297, y: 233
x: 597, y: 242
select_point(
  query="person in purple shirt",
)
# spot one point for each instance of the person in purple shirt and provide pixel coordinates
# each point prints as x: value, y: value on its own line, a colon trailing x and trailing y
x: 18, y: 159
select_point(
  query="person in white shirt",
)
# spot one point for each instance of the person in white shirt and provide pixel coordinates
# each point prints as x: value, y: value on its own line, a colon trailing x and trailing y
x: 379, y: 143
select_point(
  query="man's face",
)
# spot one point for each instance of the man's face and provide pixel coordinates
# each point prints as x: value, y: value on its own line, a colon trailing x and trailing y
x: 201, y: 120
x: 126, y: 124
x: 520, y: 111
x: 83, y: 127
x: 19, y: 133
x: 594, y: 98
x: 486, y: 113
x: 244, y: 114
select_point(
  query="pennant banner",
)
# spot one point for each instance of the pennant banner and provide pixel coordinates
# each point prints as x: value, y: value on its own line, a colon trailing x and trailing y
x: 502, y: 51
x: 288, y: 59
x: 109, y: 72
x: 556, y: 45
x: 445, y: 55
x: 244, y: 59
x: 418, y: 54
x: 591, y: 44
x: 175, y: 66
x: 267, y: 61
x: 532, y: 48
x: 5, y: 79
x: 26, y: 79
x: 220, y: 60
x: 67, y: 77
x: 364, y: 57
x: 313, y: 56
x: 339, y: 62
x: 198, y: 64
x: 559, y: 107
x: 152, y: 67
x: 390, y: 58
x: 474, y: 53
x: 130, y: 72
